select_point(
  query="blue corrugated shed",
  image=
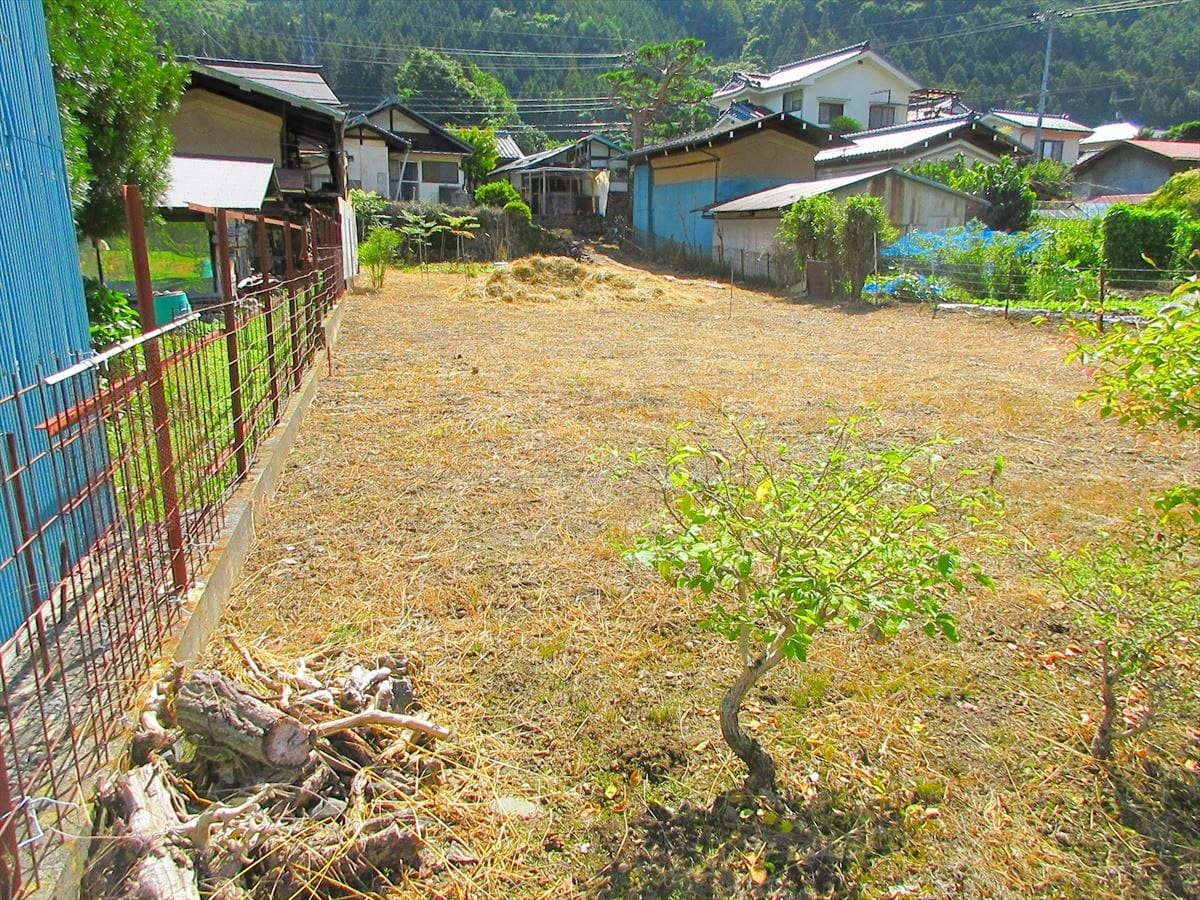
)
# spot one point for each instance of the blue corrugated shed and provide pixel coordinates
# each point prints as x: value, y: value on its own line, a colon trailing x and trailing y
x: 43, y: 318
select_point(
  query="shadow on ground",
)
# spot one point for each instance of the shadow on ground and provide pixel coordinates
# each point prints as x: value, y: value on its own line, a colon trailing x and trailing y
x: 1162, y: 803
x: 737, y: 848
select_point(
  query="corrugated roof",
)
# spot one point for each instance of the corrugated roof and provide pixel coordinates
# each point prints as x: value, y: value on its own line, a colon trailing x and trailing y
x: 217, y: 182
x: 896, y: 138
x: 786, y: 194
x: 303, y: 81
x: 532, y: 160
x: 507, y: 145
x: 1059, y: 122
x: 800, y: 70
x: 1113, y: 131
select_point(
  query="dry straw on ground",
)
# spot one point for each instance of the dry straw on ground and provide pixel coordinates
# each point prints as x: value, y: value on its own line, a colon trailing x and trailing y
x: 445, y: 501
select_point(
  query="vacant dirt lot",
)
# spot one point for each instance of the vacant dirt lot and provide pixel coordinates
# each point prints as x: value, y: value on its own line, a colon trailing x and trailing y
x: 446, y: 500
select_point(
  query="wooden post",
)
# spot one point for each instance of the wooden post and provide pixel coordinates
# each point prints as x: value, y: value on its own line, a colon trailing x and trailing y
x: 264, y: 265
x: 231, y: 346
x: 167, y: 477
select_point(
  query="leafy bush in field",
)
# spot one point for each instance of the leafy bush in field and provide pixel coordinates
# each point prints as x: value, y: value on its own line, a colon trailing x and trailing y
x: 1180, y: 192
x: 368, y: 210
x: 779, y: 547
x: 1136, y: 592
x: 846, y: 234
x: 497, y: 193
x: 911, y: 286
x: 1185, y: 244
x: 1138, y: 239
x: 378, y: 252
x: 1070, y: 242
x: 111, y: 316
x: 1149, y: 375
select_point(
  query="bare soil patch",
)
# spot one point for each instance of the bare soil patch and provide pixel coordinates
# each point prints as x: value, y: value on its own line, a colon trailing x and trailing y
x: 445, y: 501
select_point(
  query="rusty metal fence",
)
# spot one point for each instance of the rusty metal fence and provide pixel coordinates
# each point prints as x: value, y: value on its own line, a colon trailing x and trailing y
x: 117, y: 474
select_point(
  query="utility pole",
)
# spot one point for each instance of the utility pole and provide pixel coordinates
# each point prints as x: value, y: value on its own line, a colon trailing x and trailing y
x: 308, y: 44
x: 1048, y: 16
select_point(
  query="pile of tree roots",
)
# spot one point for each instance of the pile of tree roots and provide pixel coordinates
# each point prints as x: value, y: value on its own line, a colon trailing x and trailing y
x: 274, y: 784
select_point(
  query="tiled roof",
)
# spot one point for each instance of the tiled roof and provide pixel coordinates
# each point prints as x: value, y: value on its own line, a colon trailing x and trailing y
x: 303, y: 81
x: 531, y: 161
x: 800, y: 70
x: 1059, y: 122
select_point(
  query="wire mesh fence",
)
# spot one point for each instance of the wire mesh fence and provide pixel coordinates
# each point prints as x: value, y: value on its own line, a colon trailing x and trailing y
x: 117, y: 474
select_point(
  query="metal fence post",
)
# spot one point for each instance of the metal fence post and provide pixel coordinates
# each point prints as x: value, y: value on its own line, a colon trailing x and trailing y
x: 289, y: 272
x: 231, y: 345
x: 264, y: 265
x: 167, y: 476
x: 10, y: 851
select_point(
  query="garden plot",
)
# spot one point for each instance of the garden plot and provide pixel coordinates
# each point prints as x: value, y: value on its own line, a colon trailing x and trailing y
x: 446, y: 502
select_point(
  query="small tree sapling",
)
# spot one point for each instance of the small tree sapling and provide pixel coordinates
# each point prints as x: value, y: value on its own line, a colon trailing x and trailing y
x: 780, y: 547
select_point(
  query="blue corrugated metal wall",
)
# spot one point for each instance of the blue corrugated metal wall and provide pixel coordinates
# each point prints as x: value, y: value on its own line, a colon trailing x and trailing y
x: 43, y: 318
x: 671, y: 211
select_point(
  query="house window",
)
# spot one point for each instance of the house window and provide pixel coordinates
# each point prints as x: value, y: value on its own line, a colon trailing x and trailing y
x: 828, y: 111
x: 793, y: 101
x: 406, y: 189
x: 881, y: 116
x: 439, y: 172
x: 1052, y: 150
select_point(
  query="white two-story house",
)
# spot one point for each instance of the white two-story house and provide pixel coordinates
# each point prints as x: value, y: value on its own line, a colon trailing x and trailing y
x: 854, y: 81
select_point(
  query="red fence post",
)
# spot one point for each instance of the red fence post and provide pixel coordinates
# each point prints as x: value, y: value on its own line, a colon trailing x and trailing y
x: 167, y: 476
x: 289, y: 272
x: 231, y: 346
x: 264, y: 265
x: 10, y: 851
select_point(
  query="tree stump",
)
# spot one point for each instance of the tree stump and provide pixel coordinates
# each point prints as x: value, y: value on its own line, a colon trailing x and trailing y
x: 215, y: 708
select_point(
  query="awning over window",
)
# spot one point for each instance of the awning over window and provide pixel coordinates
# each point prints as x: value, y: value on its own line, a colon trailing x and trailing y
x: 218, y: 182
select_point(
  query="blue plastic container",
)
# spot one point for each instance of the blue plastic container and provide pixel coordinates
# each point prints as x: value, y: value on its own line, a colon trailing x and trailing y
x: 169, y: 306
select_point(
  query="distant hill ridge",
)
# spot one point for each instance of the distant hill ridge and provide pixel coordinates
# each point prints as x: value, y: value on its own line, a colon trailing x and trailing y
x: 1138, y: 65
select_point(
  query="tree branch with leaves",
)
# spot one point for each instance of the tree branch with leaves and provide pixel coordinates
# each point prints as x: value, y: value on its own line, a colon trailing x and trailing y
x: 659, y: 76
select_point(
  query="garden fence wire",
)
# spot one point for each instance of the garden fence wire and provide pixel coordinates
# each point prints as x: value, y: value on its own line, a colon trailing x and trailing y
x: 117, y: 476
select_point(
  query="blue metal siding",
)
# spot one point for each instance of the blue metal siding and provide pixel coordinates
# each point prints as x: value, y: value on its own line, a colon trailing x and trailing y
x: 641, y: 198
x: 676, y: 207
x: 43, y: 318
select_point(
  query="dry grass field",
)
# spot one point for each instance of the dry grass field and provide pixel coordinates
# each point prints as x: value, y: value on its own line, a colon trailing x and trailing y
x: 446, y: 501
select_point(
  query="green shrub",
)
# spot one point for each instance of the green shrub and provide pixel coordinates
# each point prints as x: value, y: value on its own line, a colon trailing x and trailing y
x: 847, y: 235
x: 864, y: 231
x: 368, y: 210
x: 1137, y: 239
x: 111, y: 316
x: 497, y: 193
x: 1180, y: 192
x: 1070, y: 242
x: 809, y: 228
x: 520, y: 211
x: 379, y: 251
x: 1185, y: 244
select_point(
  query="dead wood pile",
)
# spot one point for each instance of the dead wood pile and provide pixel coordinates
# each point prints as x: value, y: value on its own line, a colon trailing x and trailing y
x: 285, y: 784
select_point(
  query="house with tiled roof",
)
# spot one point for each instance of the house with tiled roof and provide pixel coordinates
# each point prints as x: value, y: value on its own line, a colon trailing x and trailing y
x: 1060, y: 133
x: 402, y: 155
x: 1133, y: 167
x: 853, y: 81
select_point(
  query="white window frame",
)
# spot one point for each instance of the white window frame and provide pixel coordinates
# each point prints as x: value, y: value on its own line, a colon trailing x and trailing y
x: 793, y: 101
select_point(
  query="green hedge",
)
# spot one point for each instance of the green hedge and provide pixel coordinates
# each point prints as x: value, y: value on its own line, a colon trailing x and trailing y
x: 1139, y: 239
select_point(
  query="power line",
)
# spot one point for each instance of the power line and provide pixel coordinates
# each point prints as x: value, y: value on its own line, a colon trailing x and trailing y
x: 480, y: 51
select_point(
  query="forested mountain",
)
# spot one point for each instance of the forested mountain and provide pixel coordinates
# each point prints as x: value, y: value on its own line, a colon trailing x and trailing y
x: 1141, y: 64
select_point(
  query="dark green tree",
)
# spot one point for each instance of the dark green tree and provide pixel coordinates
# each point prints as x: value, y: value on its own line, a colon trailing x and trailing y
x: 660, y: 75
x: 116, y: 98
x: 1184, y: 131
x: 441, y: 87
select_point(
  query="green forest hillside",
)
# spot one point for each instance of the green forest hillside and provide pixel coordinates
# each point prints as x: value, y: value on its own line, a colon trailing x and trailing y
x: 1141, y: 64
